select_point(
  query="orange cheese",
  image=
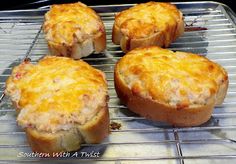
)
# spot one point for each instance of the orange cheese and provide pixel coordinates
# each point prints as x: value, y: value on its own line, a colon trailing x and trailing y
x: 171, y: 77
x: 57, y: 90
x: 146, y: 19
x: 66, y: 22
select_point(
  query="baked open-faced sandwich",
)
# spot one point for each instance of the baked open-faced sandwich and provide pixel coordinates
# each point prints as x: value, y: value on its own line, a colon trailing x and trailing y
x: 179, y: 88
x: 147, y: 24
x: 60, y: 102
x: 74, y: 30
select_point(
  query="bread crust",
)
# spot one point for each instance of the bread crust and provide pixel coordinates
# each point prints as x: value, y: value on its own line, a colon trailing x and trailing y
x: 93, y: 131
x: 139, y: 100
x: 156, y: 111
x: 75, y: 50
x: 220, y: 96
x: 100, y: 43
x: 83, y: 43
x: 158, y: 38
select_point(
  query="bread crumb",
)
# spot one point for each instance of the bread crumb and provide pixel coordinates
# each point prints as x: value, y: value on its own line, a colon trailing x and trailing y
x: 115, y: 126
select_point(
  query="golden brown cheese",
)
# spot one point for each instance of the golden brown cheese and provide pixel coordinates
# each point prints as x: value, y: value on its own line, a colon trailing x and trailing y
x: 65, y: 22
x: 176, y: 78
x: 146, y: 19
x: 56, y: 93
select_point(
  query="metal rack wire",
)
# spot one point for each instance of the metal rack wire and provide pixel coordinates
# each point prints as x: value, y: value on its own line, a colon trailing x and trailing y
x: 211, y: 32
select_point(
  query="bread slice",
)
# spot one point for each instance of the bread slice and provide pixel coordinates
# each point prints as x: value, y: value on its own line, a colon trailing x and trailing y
x: 147, y: 24
x: 61, y: 103
x: 175, y: 87
x: 74, y: 30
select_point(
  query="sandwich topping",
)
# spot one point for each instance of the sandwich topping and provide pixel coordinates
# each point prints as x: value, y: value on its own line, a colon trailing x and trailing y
x: 56, y: 93
x: 147, y: 19
x: 69, y: 23
x: 176, y: 78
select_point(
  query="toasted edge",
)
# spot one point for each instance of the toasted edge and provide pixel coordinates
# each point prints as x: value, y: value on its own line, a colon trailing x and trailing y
x: 156, y: 111
x: 220, y: 96
x: 93, y: 131
x: 79, y: 50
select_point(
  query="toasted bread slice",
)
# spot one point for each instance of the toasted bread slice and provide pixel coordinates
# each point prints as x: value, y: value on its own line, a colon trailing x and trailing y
x: 74, y: 30
x: 61, y: 103
x: 175, y: 87
x: 147, y: 24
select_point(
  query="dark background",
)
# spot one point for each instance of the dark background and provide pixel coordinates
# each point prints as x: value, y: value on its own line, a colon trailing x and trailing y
x: 30, y: 4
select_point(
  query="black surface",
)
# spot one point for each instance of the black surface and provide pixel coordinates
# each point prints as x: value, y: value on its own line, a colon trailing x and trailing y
x: 31, y: 4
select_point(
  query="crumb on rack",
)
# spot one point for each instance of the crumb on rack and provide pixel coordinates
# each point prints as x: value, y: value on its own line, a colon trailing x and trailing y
x: 115, y: 126
x: 27, y: 60
x: 195, y: 28
x: 189, y: 27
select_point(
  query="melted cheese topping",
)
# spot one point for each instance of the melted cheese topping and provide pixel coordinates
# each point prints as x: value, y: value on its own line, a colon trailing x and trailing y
x: 69, y: 23
x: 56, y: 93
x: 176, y: 78
x: 146, y: 19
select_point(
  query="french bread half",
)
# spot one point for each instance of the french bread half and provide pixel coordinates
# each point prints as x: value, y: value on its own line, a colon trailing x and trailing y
x: 74, y: 30
x: 175, y: 87
x: 147, y: 24
x: 60, y: 102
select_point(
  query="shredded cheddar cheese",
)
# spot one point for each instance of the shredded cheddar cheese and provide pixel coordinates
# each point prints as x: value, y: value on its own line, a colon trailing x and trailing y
x: 147, y: 19
x: 176, y: 78
x: 56, y: 92
x: 69, y: 23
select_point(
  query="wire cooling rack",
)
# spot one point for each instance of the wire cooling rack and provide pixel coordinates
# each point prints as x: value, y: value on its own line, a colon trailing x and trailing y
x: 210, y: 30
